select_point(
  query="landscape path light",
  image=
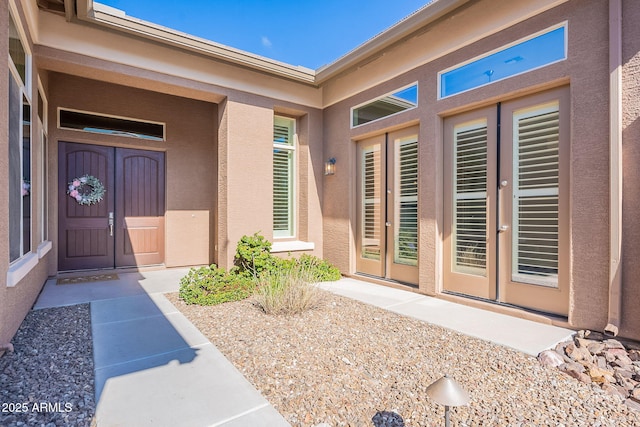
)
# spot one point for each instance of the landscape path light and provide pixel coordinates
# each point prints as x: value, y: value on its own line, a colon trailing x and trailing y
x: 449, y: 393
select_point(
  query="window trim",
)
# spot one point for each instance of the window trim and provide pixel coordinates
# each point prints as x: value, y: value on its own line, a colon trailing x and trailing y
x: 43, y: 135
x: 564, y: 24
x: 371, y: 101
x: 292, y: 148
x: 19, y: 267
x: 112, y: 116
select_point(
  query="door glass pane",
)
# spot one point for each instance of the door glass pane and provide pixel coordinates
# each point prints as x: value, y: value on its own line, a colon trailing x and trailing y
x: 535, y: 201
x: 470, y: 198
x: 371, y: 208
x: 406, y: 202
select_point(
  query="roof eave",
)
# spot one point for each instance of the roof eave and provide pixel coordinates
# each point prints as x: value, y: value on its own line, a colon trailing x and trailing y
x: 405, y: 28
x: 86, y: 11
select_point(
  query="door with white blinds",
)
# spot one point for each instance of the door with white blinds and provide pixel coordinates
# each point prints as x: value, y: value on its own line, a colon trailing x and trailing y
x: 534, y: 202
x: 505, y: 202
x: 387, y: 240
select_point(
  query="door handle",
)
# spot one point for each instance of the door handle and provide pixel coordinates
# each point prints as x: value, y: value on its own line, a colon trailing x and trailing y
x: 387, y: 224
x: 111, y: 224
x: 503, y: 228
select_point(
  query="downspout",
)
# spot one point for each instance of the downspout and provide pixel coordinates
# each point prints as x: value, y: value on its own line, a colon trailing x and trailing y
x: 615, y: 167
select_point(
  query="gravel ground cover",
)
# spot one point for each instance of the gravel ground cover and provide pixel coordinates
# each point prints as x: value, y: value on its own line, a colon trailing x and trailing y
x: 351, y: 364
x: 48, y: 379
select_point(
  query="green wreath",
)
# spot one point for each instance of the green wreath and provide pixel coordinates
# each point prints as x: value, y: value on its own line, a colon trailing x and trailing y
x: 86, y: 190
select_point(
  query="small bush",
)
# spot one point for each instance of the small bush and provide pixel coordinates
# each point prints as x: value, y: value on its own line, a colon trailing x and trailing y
x: 253, y: 256
x: 288, y: 291
x: 212, y: 285
x: 253, y: 264
x: 319, y: 269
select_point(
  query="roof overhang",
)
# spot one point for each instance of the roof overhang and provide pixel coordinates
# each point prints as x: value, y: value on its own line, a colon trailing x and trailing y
x: 98, y: 14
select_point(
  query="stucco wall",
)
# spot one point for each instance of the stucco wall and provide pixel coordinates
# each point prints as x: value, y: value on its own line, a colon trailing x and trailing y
x: 16, y: 301
x: 631, y: 172
x: 190, y: 149
x: 585, y: 70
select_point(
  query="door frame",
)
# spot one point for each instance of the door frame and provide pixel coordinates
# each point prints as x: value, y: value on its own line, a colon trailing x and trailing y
x: 385, y: 267
x: 116, y: 254
x: 498, y: 286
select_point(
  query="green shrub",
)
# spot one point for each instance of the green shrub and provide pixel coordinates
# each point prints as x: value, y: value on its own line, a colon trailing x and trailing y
x: 253, y: 256
x: 253, y: 261
x: 212, y: 285
x: 319, y: 269
x: 288, y: 291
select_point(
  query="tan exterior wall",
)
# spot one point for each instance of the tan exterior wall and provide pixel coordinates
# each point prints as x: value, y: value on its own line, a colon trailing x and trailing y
x: 585, y: 70
x: 16, y: 301
x: 631, y: 172
x: 245, y: 173
x: 190, y: 150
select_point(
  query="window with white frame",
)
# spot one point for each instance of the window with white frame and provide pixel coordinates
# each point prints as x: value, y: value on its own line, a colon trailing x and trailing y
x: 284, y: 153
x: 19, y: 143
x: 42, y: 182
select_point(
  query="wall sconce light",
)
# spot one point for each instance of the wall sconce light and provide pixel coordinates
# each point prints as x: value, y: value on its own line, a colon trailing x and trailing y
x: 330, y: 166
x: 447, y: 392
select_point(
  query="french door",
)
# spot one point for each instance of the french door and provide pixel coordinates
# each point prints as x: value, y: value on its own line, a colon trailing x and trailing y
x: 387, y: 237
x: 506, y: 204
x: 125, y: 228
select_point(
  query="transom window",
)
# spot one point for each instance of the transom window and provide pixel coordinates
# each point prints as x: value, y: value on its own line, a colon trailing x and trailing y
x: 112, y: 125
x: 533, y: 52
x: 387, y: 105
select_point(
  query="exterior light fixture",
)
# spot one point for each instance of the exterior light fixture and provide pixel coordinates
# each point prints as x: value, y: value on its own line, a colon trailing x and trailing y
x: 330, y: 166
x: 447, y: 392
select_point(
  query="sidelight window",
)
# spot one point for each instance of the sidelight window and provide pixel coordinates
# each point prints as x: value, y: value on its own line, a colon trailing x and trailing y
x: 284, y: 149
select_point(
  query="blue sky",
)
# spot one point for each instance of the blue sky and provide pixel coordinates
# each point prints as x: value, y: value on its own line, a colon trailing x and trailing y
x: 304, y: 32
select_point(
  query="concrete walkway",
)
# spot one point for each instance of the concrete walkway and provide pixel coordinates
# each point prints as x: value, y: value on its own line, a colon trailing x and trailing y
x: 520, y: 334
x: 153, y: 367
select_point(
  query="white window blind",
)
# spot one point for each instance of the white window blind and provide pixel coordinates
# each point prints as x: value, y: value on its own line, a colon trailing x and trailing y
x: 406, y: 203
x: 371, y: 208
x: 470, y: 198
x: 535, y: 201
x: 283, y: 176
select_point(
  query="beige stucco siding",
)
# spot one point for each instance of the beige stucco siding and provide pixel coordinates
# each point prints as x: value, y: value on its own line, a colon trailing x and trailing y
x: 585, y: 71
x: 631, y: 170
x: 190, y: 150
x: 16, y: 301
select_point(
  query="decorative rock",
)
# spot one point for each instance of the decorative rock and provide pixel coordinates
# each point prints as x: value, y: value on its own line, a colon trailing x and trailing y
x: 632, y: 404
x: 550, y: 358
x: 577, y: 353
x: 605, y: 362
x: 595, y: 347
x: 614, y: 391
x: 613, y: 344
